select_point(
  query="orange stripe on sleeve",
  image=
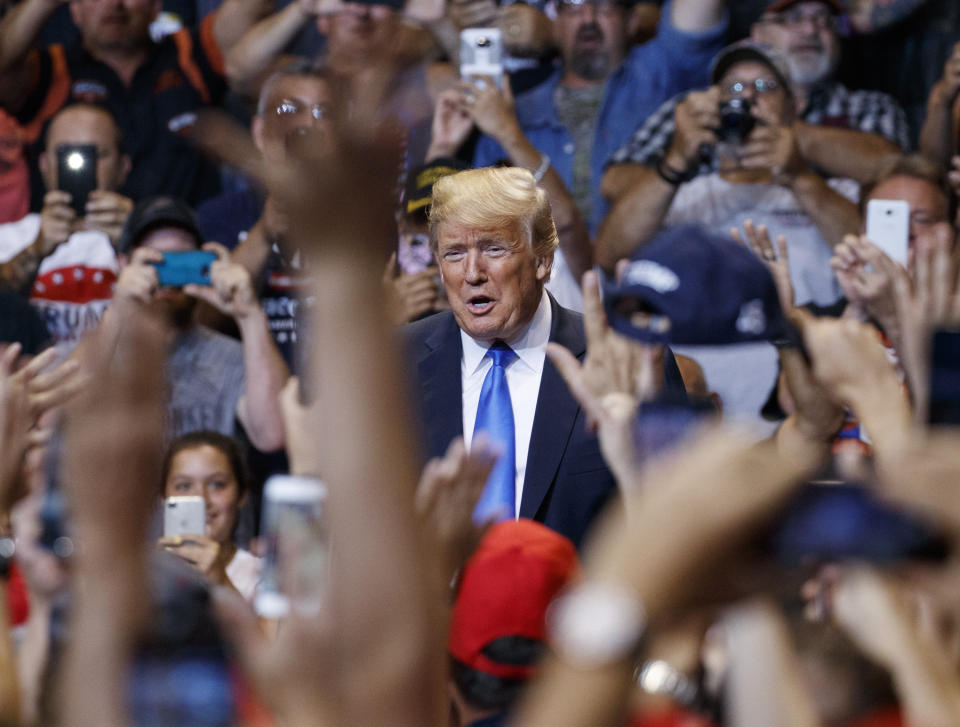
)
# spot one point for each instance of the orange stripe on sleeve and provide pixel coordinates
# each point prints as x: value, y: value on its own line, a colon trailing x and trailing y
x: 56, y: 97
x: 188, y: 65
x: 209, y: 44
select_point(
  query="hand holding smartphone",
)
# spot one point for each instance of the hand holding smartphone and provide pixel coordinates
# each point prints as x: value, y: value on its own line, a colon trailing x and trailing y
x: 888, y: 227
x: 190, y: 267
x: 481, y: 54
x: 184, y: 515
x: 77, y: 173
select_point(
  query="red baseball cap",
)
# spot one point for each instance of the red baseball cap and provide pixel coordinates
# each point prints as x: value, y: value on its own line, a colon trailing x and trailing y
x: 777, y: 5
x: 517, y: 570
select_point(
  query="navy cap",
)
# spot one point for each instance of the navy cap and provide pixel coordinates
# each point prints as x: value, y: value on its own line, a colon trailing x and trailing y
x: 154, y: 212
x: 691, y: 286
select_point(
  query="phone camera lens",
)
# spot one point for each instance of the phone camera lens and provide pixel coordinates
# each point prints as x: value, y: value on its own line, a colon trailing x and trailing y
x: 483, y: 42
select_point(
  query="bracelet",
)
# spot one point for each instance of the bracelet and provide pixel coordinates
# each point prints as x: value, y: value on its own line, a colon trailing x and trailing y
x: 542, y: 169
x: 673, y: 177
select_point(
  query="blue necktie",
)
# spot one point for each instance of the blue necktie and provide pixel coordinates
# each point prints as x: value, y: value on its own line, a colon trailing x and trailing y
x: 495, y: 417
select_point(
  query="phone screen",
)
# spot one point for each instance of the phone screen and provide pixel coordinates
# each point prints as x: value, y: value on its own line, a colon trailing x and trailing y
x: 77, y: 173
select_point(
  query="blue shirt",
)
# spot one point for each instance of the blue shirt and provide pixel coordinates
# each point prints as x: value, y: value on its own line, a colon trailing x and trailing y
x: 672, y: 62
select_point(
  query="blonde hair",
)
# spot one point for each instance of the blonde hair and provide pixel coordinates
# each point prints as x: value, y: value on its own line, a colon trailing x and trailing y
x: 495, y: 198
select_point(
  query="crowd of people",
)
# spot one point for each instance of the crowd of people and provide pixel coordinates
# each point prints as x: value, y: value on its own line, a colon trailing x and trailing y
x: 623, y: 381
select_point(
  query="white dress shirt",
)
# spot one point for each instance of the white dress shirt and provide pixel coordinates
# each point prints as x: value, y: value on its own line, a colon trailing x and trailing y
x: 523, y: 380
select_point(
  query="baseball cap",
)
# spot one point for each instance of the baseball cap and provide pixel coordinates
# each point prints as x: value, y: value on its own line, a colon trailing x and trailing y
x: 154, y: 212
x: 691, y: 286
x: 775, y: 6
x: 517, y: 570
x: 748, y: 50
x: 419, y: 190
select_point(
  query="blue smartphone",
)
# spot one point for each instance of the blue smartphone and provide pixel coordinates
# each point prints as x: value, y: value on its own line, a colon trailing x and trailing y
x: 191, y: 267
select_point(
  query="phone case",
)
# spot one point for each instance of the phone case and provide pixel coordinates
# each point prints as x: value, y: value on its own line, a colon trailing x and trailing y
x: 481, y: 54
x: 191, y: 267
x: 185, y: 515
x: 888, y: 227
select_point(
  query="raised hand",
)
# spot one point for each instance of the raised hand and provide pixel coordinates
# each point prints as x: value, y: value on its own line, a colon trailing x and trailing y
x: 777, y: 260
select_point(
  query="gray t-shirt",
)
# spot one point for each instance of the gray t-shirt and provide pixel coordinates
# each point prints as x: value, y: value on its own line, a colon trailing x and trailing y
x: 578, y: 110
x: 205, y: 372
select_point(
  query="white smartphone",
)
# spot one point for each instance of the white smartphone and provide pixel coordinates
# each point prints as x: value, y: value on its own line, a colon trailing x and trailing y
x: 481, y: 54
x: 888, y: 227
x: 295, y: 562
x: 184, y: 515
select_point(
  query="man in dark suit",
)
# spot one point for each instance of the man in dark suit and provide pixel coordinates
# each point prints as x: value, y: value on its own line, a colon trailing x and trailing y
x: 494, y: 240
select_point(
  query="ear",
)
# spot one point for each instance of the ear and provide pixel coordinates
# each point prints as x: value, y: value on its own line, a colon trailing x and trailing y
x: 256, y: 131
x: 544, y: 267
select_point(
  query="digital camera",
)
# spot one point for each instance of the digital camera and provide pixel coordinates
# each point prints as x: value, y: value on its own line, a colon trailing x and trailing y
x: 736, y: 121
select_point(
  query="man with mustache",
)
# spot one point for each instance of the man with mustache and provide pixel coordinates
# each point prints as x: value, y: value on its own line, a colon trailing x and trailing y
x: 580, y: 115
x: 829, y: 116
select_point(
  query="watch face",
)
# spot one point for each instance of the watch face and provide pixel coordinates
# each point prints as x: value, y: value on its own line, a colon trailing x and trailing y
x: 596, y: 624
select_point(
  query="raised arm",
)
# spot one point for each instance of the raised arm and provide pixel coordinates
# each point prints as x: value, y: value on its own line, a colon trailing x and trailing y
x: 938, y: 135
x: 869, y: 16
x: 263, y: 43
x: 18, y: 31
x: 643, y: 193
x: 844, y: 153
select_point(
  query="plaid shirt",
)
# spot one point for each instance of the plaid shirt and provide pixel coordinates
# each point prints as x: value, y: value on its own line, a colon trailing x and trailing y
x: 831, y: 105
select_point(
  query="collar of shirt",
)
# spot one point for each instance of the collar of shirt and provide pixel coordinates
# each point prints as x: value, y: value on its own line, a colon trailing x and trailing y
x: 530, y: 346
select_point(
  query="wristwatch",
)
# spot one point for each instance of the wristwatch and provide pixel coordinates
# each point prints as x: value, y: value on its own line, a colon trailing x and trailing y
x: 596, y: 624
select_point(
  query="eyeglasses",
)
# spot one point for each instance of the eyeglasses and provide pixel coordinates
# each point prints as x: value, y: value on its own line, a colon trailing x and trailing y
x: 794, y: 18
x: 291, y: 107
x: 760, y: 85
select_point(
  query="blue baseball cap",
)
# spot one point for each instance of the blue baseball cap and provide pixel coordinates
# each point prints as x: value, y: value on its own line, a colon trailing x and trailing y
x: 692, y: 286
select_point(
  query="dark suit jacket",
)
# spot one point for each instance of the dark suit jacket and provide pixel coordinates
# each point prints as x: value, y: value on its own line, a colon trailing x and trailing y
x: 567, y: 481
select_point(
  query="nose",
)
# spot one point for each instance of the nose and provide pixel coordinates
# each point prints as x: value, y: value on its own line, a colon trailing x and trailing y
x: 474, y: 269
x: 588, y: 12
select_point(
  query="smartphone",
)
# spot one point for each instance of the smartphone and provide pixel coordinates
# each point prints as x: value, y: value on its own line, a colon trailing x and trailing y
x: 481, y: 54
x: 827, y: 521
x: 295, y: 562
x: 888, y: 227
x: 191, y: 267
x: 945, y: 378
x: 184, y: 515
x: 413, y: 252
x: 77, y: 173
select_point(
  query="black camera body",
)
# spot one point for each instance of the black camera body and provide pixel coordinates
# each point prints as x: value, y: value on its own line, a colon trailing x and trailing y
x: 736, y: 121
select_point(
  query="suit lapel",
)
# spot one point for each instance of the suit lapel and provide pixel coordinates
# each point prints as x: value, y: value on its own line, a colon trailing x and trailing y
x: 439, y: 374
x: 554, y: 418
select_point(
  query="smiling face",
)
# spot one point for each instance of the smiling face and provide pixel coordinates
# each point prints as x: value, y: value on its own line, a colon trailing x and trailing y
x: 205, y: 471
x: 492, y: 277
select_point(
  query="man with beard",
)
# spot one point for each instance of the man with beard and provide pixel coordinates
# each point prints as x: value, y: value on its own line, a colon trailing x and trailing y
x: 587, y: 109
x: 215, y: 381
x: 842, y: 133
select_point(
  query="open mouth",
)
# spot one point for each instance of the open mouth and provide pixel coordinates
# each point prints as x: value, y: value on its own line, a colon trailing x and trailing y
x: 479, y: 304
